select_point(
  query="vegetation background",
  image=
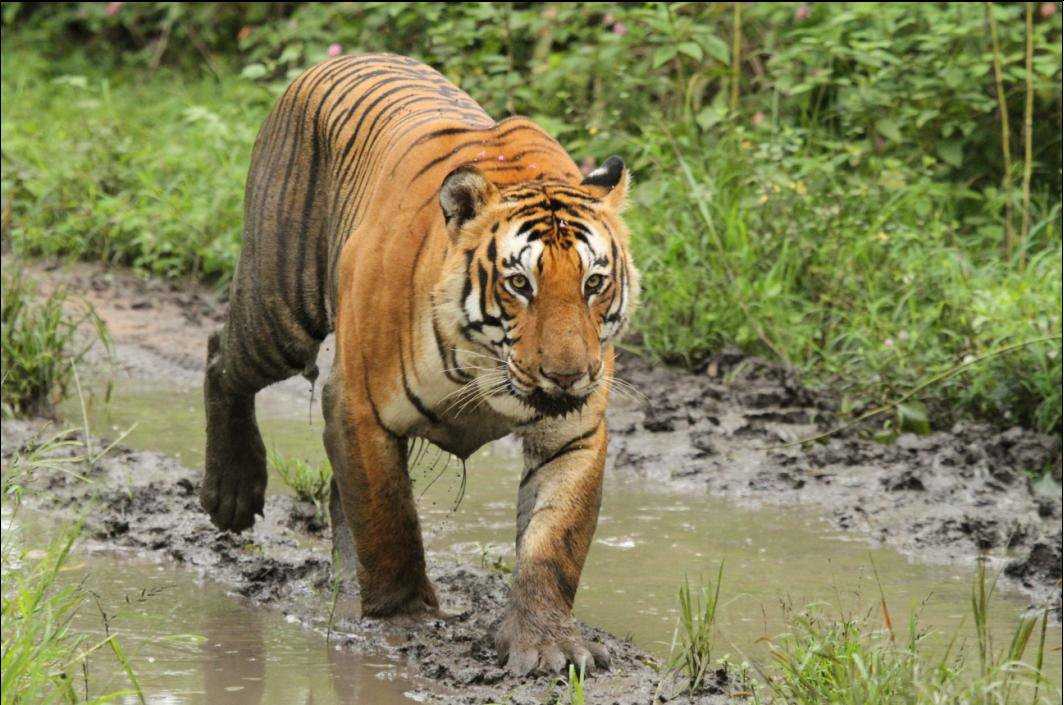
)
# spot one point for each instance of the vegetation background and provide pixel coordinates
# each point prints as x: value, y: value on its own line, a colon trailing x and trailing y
x: 870, y: 193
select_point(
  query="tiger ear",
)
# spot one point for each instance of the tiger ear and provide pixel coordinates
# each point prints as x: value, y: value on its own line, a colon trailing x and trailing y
x: 610, y: 181
x: 463, y: 195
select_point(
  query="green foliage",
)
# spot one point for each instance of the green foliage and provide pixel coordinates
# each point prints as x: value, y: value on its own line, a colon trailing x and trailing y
x: 39, y: 344
x: 310, y: 483
x: 851, y: 661
x: 861, y: 276
x: 147, y: 174
x: 846, y: 215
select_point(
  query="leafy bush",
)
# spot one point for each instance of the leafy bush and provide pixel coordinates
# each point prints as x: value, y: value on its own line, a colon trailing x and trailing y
x: 39, y: 346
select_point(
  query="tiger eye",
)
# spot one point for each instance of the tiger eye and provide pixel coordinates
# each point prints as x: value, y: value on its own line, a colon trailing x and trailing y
x: 594, y: 283
x: 518, y: 281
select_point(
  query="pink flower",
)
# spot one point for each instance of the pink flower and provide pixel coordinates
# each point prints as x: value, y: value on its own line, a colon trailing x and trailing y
x: 1047, y: 10
x: 802, y: 12
x: 888, y: 343
x: 335, y: 49
x: 620, y: 29
x: 757, y: 119
x: 113, y: 8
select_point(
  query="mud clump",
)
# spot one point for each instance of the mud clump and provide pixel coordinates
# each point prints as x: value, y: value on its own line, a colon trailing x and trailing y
x: 147, y: 503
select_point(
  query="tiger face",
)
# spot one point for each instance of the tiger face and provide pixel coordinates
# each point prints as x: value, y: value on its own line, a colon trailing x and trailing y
x: 540, y: 281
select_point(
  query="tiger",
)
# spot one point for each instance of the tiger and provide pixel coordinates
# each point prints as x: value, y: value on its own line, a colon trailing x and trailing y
x: 476, y: 282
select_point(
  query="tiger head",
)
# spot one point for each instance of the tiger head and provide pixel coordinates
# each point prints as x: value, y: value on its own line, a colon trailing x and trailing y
x: 539, y: 279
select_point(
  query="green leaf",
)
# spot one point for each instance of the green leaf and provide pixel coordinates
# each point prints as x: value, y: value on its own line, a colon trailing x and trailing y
x: 717, y: 49
x: 889, y: 129
x: 951, y: 152
x: 912, y: 417
x: 691, y: 49
x: 710, y: 116
x: 663, y: 54
x: 253, y: 71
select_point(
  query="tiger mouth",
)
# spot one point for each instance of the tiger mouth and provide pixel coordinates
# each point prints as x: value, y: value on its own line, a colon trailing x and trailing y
x: 552, y: 404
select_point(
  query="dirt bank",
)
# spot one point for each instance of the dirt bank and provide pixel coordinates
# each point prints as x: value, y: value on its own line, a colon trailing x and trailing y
x: 945, y: 497
x: 146, y: 502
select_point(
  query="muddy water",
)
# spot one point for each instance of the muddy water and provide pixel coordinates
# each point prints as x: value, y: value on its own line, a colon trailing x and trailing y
x: 647, y: 541
x: 190, y: 642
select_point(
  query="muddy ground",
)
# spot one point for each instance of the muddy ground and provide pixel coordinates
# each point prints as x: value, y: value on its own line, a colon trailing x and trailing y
x: 147, y: 502
x: 728, y: 429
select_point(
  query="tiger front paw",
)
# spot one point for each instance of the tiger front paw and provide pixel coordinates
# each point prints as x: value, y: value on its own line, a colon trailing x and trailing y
x: 530, y: 644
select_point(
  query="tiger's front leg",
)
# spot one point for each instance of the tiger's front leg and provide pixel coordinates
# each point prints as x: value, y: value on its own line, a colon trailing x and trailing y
x: 557, y: 509
x: 369, y: 470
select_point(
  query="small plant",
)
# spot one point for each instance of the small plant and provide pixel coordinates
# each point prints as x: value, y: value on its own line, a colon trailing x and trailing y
x: 691, y: 653
x: 40, y: 347
x: 310, y: 483
x: 576, y: 686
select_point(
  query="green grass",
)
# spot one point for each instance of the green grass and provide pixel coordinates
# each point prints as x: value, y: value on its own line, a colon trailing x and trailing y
x: 865, y: 284
x: 867, y: 272
x: 855, y: 661
x: 45, y: 656
x: 40, y: 346
x: 309, y: 482
x: 691, y: 653
x: 147, y: 173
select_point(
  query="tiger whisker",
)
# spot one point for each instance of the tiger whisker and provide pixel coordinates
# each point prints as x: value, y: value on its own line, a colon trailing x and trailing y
x: 485, y: 393
x: 473, y: 389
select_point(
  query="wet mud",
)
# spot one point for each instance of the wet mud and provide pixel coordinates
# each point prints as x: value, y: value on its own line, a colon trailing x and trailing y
x: 146, y: 502
x: 731, y: 430
x: 944, y: 497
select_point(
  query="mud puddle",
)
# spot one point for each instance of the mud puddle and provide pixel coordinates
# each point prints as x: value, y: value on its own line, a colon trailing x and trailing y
x: 646, y: 543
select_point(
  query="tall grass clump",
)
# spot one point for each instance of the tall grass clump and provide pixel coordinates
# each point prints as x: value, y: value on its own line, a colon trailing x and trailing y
x: 45, y: 656
x: 693, y: 640
x: 40, y: 345
x: 853, y: 661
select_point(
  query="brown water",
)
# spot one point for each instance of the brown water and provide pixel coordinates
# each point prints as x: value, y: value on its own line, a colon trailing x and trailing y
x: 646, y: 542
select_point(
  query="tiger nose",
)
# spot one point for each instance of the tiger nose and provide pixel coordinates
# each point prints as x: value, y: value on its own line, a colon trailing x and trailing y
x: 565, y: 380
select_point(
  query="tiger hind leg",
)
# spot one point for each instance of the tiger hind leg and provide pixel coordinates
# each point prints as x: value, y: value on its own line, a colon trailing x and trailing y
x: 234, y: 482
